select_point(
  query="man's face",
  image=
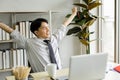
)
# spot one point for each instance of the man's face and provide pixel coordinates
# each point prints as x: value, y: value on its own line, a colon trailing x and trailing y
x: 43, y: 31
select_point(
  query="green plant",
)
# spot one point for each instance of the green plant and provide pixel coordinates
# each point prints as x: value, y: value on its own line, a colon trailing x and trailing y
x: 83, y: 20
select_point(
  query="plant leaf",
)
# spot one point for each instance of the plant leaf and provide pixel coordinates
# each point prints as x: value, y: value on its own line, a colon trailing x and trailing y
x: 87, y: 1
x: 68, y: 15
x: 94, y: 4
x: 91, y: 32
x: 78, y: 17
x: 81, y: 22
x: 85, y: 42
x: 90, y: 22
x: 73, y: 30
x: 80, y: 5
x: 86, y: 35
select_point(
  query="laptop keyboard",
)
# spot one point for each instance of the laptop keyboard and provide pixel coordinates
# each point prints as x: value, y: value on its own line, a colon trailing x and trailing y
x: 62, y: 78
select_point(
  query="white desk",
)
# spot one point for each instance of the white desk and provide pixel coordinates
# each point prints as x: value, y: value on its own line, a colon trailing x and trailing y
x: 110, y: 75
x: 45, y: 76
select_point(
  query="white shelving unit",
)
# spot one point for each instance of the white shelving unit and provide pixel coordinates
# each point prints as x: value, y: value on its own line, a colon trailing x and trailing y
x: 13, y: 18
x: 6, y: 41
x: 5, y: 70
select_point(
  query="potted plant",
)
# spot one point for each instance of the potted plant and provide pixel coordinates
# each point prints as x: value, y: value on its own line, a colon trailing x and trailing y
x: 83, y: 20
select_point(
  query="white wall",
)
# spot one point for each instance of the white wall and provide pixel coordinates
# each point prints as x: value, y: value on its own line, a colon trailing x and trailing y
x: 34, y: 5
x: 68, y: 47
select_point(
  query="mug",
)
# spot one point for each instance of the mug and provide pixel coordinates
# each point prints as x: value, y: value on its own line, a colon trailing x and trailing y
x: 51, y: 69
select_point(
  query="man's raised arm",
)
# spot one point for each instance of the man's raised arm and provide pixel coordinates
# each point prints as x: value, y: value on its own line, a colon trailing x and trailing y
x: 6, y: 27
x: 68, y: 21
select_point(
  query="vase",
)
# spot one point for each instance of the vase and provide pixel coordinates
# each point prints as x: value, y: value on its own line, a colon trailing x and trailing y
x: 22, y: 79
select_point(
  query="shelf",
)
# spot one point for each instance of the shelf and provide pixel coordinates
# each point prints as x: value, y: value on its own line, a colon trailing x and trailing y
x: 6, y: 41
x: 33, y: 11
x: 10, y: 45
x: 5, y: 70
x: 22, y: 12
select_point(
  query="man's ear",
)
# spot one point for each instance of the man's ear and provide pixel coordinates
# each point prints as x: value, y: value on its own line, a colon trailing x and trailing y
x: 36, y: 32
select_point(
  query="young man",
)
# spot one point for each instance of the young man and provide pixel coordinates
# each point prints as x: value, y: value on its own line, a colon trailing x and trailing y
x: 37, y: 49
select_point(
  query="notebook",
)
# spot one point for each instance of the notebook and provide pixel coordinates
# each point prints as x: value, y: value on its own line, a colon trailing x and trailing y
x: 117, y: 68
x: 87, y: 67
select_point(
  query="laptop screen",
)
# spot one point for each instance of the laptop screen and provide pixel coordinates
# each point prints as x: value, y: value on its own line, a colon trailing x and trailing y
x: 88, y: 67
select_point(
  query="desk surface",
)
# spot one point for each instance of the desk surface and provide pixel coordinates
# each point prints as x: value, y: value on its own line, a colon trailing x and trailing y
x: 110, y: 74
x: 42, y: 75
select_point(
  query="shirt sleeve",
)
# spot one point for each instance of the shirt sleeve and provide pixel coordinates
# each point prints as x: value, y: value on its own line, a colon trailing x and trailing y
x: 18, y: 38
x: 60, y: 33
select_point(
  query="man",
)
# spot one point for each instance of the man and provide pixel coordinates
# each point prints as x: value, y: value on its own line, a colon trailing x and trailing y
x: 37, y: 49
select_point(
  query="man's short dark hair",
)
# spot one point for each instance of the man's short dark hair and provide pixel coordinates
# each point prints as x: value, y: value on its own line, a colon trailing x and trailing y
x: 36, y: 24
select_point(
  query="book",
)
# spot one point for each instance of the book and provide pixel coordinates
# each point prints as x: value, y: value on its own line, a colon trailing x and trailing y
x: 18, y: 54
x: 117, y: 68
x: 1, y: 61
x: 7, y: 54
x: 21, y: 57
x: 14, y: 58
x: 4, y: 60
x: 1, y: 34
x: 25, y: 60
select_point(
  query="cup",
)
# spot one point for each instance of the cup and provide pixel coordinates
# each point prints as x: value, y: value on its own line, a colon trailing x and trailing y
x: 51, y: 69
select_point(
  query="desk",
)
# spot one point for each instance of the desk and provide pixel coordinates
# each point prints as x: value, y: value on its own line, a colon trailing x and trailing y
x: 45, y: 76
x: 110, y: 74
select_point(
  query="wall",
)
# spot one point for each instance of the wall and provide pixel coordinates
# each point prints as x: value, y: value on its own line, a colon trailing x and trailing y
x: 34, y: 5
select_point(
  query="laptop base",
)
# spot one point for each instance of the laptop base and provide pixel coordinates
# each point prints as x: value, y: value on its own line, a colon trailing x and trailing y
x: 62, y: 78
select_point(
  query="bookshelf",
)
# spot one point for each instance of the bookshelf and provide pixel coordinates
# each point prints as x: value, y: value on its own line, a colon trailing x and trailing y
x: 5, y: 70
x: 6, y: 41
x: 11, y: 55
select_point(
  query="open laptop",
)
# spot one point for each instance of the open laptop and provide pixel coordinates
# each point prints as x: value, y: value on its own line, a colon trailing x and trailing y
x: 87, y: 67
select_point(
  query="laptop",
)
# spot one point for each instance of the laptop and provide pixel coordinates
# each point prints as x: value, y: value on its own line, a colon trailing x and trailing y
x: 87, y: 67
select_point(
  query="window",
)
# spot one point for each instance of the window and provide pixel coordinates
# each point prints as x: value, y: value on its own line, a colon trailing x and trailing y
x: 108, y: 28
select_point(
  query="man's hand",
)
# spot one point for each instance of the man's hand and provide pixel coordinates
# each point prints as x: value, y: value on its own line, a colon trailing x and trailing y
x: 69, y: 20
x: 74, y: 10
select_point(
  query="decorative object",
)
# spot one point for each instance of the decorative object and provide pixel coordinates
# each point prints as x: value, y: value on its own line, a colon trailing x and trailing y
x: 21, y: 72
x: 83, y: 20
